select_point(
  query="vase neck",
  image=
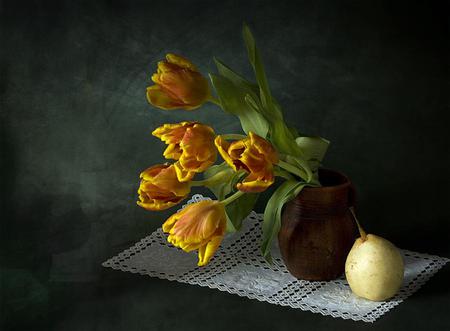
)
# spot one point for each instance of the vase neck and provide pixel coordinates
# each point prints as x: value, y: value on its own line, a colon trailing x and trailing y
x: 334, y: 197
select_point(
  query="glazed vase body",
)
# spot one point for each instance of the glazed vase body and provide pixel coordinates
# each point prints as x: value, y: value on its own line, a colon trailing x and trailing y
x: 317, y: 228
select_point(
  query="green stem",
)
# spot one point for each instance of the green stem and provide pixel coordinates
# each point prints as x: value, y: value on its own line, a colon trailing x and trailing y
x: 199, y: 182
x: 233, y: 136
x: 221, y: 176
x: 231, y: 198
x: 292, y: 169
x: 215, y: 101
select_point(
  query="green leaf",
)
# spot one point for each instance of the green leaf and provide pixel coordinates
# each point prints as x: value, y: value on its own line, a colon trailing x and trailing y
x: 281, y: 135
x: 252, y: 103
x: 255, y: 60
x: 239, y: 209
x: 282, y: 138
x: 272, y: 214
x: 294, y: 131
x: 313, y: 147
x: 233, y: 101
x: 236, y: 79
x: 221, y: 189
x: 314, y: 150
x: 214, y: 169
x: 306, y: 151
x: 230, y: 226
x: 300, y: 162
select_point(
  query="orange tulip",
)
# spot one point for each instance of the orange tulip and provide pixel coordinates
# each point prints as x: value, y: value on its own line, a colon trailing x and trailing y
x: 199, y: 226
x: 160, y: 188
x: 253, y: 154
x: 179, y: 85
x: 191, y: 144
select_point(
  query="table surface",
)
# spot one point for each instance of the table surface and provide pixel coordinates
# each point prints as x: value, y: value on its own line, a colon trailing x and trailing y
x: 125, y: 301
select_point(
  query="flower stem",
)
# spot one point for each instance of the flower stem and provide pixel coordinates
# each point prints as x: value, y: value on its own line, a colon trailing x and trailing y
x: 199, y: 182
x: 217, y: 178
x: 231, y: 198
x: 215, y: 101
x: 233, y: 136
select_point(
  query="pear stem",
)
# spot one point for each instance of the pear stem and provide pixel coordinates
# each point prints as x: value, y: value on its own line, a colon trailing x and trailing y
x: 362, y: 233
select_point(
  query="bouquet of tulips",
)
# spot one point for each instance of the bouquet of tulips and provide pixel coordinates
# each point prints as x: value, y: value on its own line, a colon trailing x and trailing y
x: 251, y: 161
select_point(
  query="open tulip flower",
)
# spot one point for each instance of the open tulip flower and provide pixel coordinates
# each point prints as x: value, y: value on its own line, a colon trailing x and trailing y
x: 199, y: 226
x: 191, y: 144
x: 269, y: 148
x: 160, y: 188
x: 253, y: 154
x: 178, y: 85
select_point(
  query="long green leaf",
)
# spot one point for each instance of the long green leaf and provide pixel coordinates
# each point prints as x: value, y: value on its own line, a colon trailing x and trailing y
x: 301, y: 163
x: 280, y: 134
x: 272, y: 214
x: 233, y: 101
x: 313, y: 147
x: 239, y: 209
x: 236, y: 79
x: 220, y: 189
x: 282, y: 138
x: 255, y: 60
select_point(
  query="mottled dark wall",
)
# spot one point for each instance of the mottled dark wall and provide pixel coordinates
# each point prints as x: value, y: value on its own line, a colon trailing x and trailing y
x: 371, y: 76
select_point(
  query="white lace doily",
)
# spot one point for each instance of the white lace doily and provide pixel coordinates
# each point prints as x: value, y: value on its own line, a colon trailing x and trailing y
x: 239, y: 268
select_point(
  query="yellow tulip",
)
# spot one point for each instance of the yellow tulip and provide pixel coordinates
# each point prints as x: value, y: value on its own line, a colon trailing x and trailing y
x: 178, y: 85
x: 160, y: 188
x: 191, y: 144
x: 199, y: 226
x: 253, y: 154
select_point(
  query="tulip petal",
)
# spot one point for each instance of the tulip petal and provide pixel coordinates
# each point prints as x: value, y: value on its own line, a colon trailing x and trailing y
x: 187, y: 87
x: 198, y: 226
x: 253, y: 154
x: 183, y: 175
x: 188, y: 247
x: 173, y: 151
x: 168, y: 224
x: 254, y: 186
x: 161, y: 99
x: 153, y: 206
x: 223, y: 146
x: 198, y: 223
x: 264, y: 147
x: 172, y: 133
x: 179, y: 85
x: 180, y: 61
x: 160, y: 189
x: 190, y: 143
x: 206, y: 252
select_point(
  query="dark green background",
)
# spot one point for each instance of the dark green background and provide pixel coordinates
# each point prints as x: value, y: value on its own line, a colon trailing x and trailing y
x: 370, y: 76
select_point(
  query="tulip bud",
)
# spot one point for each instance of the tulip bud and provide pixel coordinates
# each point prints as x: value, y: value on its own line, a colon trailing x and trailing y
x: 199, y: 226
x: 191, y: 144
x: 160, y: 188
x: 253, y: 154
x: 178, y: 85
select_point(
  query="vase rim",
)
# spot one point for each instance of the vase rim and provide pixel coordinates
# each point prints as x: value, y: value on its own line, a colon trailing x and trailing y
x: 345, y: 181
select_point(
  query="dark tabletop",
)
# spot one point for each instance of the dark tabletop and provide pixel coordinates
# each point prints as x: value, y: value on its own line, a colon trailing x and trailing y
x: 371, y: 76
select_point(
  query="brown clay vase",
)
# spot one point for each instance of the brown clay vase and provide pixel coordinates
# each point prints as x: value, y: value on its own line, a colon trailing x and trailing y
x: 317, y: 228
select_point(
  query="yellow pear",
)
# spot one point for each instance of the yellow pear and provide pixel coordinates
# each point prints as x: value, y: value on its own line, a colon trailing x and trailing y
x: 374, y: 267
